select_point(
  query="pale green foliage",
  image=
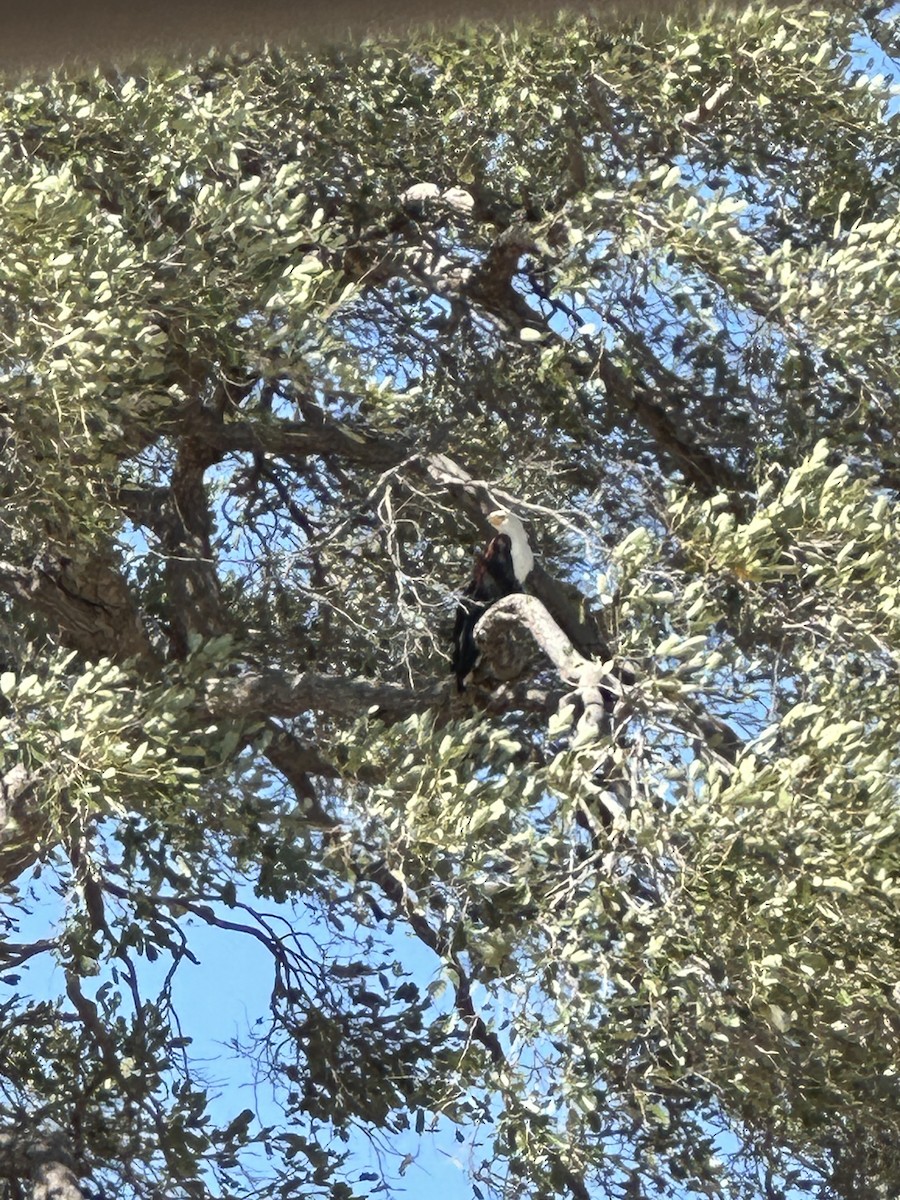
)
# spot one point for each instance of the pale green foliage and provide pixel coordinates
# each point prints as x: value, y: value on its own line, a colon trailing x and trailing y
x: 84, y: 741
x: 250, y: 390
x: 785, y: 868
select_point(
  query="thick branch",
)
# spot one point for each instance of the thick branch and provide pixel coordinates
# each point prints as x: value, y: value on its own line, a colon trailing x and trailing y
x: 491, y: 283
x: 23, y: 823
x: 40, y: 1161
x: 269, y: 693
x: 55, y: 1180
x: 293, y: 440
x: 529, y: 613
x: 595, y: 684
x: 297, y: 761
x: 193, y: 601
x: 698, y: 466
x: 88, y: 602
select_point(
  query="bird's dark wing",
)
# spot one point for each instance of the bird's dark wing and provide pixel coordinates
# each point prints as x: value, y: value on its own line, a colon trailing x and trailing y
x: 492, y: 579
x: 497, y: 567
x: 465, y: 652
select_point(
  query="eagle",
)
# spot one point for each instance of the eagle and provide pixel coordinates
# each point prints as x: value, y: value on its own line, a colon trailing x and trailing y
x: 499, y: 571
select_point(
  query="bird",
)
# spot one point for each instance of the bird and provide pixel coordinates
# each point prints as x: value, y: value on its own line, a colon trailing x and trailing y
x: 499, y: 571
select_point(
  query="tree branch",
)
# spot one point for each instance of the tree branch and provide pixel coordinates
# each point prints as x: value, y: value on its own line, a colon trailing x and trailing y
x: 42, y: 1160
x: 699, y: 467
x: 193, y: 599
x: 87, y: 600
x: 23, y: 823
x: 292, y: 440
x: 270, y: 693
x: 594, y: 684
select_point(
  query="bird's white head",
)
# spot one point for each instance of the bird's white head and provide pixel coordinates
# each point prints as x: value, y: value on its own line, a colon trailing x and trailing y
x: 522, y: 556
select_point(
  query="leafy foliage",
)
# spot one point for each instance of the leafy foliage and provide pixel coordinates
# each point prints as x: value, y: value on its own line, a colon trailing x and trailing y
x: 278, y: 332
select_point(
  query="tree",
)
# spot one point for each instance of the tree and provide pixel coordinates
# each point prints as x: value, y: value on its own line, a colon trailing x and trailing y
x: 278, y: 333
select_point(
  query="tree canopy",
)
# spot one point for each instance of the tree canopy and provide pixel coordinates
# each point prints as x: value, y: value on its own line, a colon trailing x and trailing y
x: 278, y: 333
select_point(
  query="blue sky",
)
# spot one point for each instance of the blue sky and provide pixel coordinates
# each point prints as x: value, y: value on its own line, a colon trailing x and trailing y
x: 219, y: 1002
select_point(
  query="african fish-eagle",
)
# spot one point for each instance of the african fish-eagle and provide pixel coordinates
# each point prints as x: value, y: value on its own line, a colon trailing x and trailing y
x: 499, y: 571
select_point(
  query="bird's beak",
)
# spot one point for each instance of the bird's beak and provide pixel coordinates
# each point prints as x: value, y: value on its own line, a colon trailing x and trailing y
x: 496, y: 519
